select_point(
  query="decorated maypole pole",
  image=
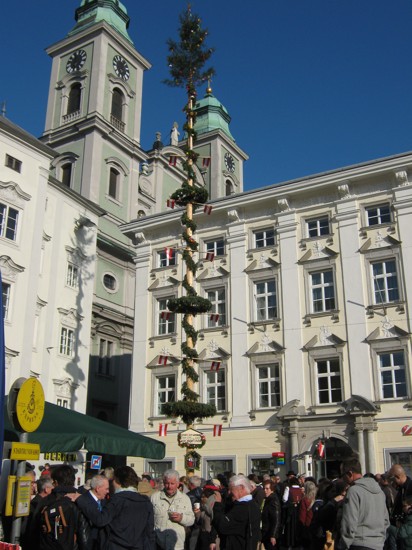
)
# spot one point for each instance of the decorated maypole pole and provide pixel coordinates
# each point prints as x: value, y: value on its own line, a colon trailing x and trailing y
x: 186, y: 60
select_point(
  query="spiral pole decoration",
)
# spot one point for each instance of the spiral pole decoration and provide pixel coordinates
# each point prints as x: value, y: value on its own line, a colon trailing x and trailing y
x: 187, y: 58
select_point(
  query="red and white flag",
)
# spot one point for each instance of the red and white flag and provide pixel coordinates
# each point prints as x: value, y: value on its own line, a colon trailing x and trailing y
x: 172, y: 160
x: 321, y: 449
x: 207, y: 209
x: 206, y: 162
x: 210, y: 256
x: 215, y: 365
x: 162, y: 360
x: 169, y: 253
x: 214, y: 317
x: 217, y: 430
x: 171, y: 203
x: 165, y: 315
x: 163, y: 430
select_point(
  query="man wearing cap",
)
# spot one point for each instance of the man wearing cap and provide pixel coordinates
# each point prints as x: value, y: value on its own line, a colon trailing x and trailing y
x: 241, y: 525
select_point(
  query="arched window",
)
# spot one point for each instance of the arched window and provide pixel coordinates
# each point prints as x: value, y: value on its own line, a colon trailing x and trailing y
x: 114, y: 178
x: 117, y: 104
x: 66, y: 174
x: 228, y: 188
x: 75, y: 95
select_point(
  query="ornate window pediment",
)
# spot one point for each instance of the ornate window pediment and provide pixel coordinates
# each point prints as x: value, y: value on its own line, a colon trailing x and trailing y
x: 318, y: 252
x: 9, y: 269
x: 13, y: 194
x: 324, y: 339
x: 387, y: 330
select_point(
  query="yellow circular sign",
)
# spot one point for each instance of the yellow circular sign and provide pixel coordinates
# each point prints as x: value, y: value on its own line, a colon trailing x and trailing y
x: 30, y: 405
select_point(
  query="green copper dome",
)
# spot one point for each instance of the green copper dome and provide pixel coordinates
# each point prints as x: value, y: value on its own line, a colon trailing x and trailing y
x: 94, y: 11
x: 211, y: 115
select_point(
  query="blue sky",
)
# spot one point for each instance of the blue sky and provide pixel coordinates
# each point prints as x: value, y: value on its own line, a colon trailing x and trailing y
x: 311, y: 85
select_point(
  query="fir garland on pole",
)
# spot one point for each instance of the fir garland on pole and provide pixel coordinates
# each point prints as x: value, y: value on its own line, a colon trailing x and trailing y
x: 186, y: 60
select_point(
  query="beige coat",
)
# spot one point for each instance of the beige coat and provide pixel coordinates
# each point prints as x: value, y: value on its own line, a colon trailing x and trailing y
x: 169, y: 534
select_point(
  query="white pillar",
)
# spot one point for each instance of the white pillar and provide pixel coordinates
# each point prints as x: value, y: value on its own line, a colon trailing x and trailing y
x: 240, y: 315
x: 361, y: 448
x: 141, y: 394
x: 371, y: 451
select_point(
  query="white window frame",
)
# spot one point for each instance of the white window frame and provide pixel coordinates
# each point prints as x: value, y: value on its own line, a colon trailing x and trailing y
x: 379, y: 214
x: 392, y: 369
x: 328, y: 376
x: 258, y: 367
x: 116, y: 282
x: 322, y: 286
x: 217, y: 306
x: 212, y: 246
x: 6, y: 300
x: 72, y: 275
x: 13, y: 163
x: 163, y: 259
x: 67, y: 341
x: 319, y: 228
x: 267, y: 233
x: 168, y: 390
x: 5, y: 221
x: 216, y: 384
x: 169, y: 324
x: 385, y: 276
x: 265, y: 296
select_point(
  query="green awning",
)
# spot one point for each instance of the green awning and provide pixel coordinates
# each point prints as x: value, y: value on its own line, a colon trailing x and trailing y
x: 64, y: 430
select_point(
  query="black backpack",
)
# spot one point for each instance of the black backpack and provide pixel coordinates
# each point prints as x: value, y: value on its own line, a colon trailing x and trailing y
x: 58, y: 524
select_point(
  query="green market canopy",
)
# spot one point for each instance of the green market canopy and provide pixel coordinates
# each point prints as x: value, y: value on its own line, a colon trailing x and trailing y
x: 64, y: 430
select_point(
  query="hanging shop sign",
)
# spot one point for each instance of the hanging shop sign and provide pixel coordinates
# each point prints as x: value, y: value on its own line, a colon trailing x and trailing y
x: 191, y: 439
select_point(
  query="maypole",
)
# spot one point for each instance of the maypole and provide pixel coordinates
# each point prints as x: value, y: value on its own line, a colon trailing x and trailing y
x: 186, y: 60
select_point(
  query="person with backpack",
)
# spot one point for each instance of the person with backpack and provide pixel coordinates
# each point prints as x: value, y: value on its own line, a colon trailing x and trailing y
x: 60, y: 524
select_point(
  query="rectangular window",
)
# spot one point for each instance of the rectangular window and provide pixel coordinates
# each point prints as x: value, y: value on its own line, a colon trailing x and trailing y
x: 266, y: 300
x: 216, y: 247
x: 62, y: 403
x: 263, y: 238
x: 114, y: 176
x: 157, y: 469
x: 218, y: 298
x: 166, y: 319
x: 322, y: 290
x: 218, y: 466
x: 393, y: 375
x: 13, y: 163
x: 376, y: 215
x: 5, y: 290
x: 268, y: 386
x: 318, y: 227
x: 166, y: 257
x: 329, y: 381
x: 385, y: 281
x: 215, y: 389
x: 8, y: 222
x: 165, y: 392
x: 66, y: 342
x: 105, y: 357
x: 72, y: 276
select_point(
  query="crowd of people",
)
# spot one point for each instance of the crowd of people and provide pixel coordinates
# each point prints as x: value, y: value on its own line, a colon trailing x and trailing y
x: 117, y: 510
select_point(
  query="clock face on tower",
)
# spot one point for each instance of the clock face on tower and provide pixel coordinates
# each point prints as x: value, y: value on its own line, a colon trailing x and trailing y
x: 76, y: 61
x: 230, y: 162
x: 121, y: 67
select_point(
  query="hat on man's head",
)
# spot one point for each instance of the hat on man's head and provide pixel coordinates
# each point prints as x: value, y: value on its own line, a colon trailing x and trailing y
x: 291, y: 473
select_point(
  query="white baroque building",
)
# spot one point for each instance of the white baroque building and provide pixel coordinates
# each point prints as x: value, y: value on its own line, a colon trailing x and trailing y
x: 311, y: 280
x: 47, y: 255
